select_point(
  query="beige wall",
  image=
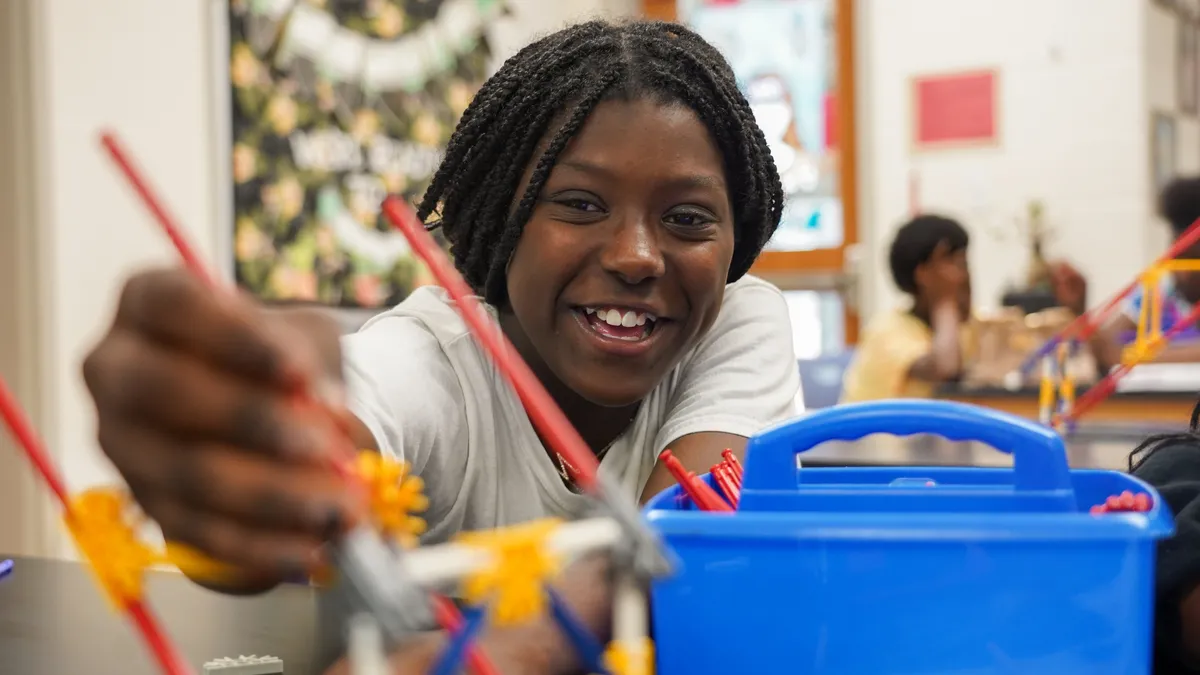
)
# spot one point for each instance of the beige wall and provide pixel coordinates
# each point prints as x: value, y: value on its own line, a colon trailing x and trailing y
x: 1074, y: 133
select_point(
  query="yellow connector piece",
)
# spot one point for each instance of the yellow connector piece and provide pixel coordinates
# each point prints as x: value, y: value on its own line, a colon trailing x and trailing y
x: 623, y: 658
x: 198, y: 566
x: 523, y: 564
x: 1142, y: 351
x: 395, y: 495
x: 102, y: 522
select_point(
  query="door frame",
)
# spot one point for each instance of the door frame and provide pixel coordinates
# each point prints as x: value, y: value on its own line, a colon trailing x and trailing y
x: 29, y: 524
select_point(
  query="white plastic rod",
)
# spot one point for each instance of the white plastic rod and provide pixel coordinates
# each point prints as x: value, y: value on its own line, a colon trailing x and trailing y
x: 438, y: 566
x: 366, y: 653
x: 630, y: 610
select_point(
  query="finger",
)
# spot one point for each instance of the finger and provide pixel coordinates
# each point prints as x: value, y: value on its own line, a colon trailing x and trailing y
x: 275, y: 553
x: 175, y: 308
x: 132, y: 379
x: 249, y: 489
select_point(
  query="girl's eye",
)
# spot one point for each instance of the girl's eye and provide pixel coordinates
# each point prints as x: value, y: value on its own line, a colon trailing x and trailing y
x: 580, y: 205
x: 688, y: 219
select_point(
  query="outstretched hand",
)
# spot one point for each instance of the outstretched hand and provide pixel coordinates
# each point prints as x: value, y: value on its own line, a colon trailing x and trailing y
x: 196, y: 394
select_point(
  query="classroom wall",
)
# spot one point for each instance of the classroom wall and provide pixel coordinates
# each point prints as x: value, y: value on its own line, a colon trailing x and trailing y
x: 1074, y: 133
x: 150, y: 70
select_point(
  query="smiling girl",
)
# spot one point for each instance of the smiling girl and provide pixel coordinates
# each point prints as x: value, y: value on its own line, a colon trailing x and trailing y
x: 605, y: 193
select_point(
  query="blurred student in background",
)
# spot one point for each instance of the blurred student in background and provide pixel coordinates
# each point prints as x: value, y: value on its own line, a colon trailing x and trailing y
x: 1179, y: 205
x: 908, y: 352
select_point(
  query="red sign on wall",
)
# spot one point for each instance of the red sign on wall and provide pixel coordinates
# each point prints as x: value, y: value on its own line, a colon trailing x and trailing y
x: 955, y: 109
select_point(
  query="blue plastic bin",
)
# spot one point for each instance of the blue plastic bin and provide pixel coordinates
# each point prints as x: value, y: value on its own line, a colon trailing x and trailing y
x: 872, y: 571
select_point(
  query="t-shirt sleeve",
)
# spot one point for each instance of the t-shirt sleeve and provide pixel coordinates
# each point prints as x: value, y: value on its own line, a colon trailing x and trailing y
x: 1174, y: 470
x: 743, y: 375
x: 401, y: 385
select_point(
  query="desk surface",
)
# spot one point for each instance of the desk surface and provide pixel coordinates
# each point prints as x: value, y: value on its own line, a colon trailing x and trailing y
x: 53, y: 621
x: 1171, y: 408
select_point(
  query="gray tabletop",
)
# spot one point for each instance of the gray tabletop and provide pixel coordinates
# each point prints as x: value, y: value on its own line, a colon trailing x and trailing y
x: 53, y: 621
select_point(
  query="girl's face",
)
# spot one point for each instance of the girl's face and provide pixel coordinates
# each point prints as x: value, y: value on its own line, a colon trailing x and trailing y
x: 622, y: 265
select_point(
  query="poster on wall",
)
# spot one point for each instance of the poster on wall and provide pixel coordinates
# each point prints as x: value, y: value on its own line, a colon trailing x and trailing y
x: 336, y: 105
x: 955, y: 110
x: 783, y: 56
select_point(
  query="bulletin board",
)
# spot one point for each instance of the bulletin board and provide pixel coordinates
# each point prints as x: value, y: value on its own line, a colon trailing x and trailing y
x: 334, y: 106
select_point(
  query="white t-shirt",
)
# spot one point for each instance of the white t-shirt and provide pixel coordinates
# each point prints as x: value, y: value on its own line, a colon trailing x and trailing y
x: 431, y: 397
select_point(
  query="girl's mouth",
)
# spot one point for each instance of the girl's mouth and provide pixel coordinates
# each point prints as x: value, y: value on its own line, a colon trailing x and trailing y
x: 619, y: 323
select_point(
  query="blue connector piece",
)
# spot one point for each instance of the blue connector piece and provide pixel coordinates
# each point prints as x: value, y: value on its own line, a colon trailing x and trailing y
x: 6, y: 568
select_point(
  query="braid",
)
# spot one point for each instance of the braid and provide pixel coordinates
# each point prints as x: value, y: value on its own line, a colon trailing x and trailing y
x: 542, y: 96
x: 1157, y: 442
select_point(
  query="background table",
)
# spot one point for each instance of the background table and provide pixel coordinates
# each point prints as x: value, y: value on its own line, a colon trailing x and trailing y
x: 1140, y: 407
x: 53, y: 621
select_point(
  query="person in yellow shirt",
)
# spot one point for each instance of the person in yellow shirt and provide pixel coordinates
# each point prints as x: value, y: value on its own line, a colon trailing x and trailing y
x: 907, y: 353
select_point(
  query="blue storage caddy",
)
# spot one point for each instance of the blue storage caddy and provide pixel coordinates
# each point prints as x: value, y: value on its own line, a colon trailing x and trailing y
x: 910, y: 570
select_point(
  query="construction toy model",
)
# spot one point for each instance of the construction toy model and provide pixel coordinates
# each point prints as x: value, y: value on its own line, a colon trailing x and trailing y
x: 504, y: 574
x: 1058, y: 405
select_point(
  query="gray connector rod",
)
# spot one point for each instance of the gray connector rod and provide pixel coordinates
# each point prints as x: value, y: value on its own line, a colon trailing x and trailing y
x: 372, y: 572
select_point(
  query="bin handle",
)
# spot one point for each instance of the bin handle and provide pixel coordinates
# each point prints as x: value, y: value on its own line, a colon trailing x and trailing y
x: 1039, y: 457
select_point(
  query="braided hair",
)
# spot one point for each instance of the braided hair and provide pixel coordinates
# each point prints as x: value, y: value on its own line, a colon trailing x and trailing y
x: 542, y: 96
x: 1153, y: 444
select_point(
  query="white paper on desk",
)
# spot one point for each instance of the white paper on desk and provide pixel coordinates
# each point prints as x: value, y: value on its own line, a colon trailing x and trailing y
x: 1168, y: 377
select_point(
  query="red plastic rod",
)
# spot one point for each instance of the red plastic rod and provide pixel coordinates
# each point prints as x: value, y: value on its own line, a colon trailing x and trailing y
x: 704, y: 497
x: 735, y: 466
x: 722, y: 475
x: 165, y: 653
x: 31, y: 444
x: 1105, y: 387
x: 157, y: 208
x: 1085, y: 325
x: 545, y: 414
x: 35, y: 449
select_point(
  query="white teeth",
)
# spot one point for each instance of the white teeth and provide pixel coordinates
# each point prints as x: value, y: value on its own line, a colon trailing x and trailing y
x: 616, y: 317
